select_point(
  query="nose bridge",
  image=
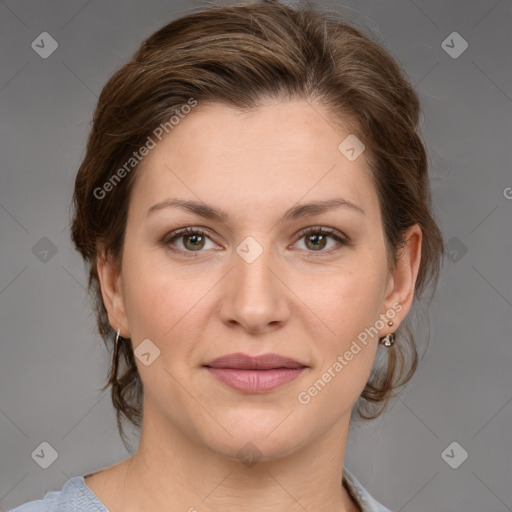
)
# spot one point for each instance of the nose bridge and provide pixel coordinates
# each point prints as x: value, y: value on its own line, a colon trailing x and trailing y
x: 252, y: 271
x: 255, y: 298
x: 252, y: 266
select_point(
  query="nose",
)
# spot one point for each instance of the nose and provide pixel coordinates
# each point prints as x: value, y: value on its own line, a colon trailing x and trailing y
x: 255, y: 297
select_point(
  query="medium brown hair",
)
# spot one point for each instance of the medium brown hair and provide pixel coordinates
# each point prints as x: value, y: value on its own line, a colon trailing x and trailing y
x: 238, y: 55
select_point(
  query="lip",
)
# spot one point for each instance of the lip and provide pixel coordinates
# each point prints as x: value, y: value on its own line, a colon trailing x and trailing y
x: 254, y: 374
x: 241, y: 361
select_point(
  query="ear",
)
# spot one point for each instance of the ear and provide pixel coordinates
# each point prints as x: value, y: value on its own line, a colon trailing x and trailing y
x: 112, y: 292
x: 403, y: 279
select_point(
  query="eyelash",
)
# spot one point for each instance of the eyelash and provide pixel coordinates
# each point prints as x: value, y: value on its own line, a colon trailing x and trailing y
x: 174, y: 235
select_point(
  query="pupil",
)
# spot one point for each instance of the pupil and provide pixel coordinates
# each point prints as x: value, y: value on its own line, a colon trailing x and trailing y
x: 195, y: 240
x: 318, y: 241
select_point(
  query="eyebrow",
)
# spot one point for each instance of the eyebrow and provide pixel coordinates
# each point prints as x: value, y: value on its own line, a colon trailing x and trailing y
x: 296, y: 212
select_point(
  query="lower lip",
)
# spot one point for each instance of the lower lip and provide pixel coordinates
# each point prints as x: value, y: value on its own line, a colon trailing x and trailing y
x: 255, y: 381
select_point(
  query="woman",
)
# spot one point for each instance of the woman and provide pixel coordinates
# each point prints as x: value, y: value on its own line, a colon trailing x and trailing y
x: 254, y: 207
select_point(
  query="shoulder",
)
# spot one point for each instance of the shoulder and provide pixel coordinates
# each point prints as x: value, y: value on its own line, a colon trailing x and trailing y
x: 74, y: 495
x: 362, y: 497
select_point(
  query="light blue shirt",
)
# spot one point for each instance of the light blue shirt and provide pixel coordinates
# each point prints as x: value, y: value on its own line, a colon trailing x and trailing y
x: 76, y: 496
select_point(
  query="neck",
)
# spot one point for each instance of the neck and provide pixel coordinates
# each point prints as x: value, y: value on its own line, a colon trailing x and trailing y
x: 170, y: 466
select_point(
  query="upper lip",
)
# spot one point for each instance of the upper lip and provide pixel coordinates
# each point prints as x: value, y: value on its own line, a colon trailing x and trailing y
x: 242, y: 361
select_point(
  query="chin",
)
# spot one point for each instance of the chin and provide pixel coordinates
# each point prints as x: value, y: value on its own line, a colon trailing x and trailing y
x: 258, y: 436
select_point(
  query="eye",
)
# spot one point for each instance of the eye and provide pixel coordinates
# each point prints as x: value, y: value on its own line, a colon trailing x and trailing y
x: 316, y: 239
x: 188, y: 240
x: 192, y: 240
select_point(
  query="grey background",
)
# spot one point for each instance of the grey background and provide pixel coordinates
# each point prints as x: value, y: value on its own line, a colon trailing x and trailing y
x: 52, y: 361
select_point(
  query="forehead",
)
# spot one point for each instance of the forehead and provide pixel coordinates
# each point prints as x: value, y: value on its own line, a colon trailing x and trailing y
x: 268, y: 157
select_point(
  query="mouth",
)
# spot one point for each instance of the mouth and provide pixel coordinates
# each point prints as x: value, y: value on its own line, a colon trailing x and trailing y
x: 254, y: 374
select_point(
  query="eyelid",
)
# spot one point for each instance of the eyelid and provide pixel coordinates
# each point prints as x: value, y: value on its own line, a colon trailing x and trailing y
x: 189, y: 230
x: 323, y: 230
x: 340, y: 237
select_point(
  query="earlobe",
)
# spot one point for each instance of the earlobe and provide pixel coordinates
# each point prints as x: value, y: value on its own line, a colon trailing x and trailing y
x: 406, y: 271
x: 111, y: 290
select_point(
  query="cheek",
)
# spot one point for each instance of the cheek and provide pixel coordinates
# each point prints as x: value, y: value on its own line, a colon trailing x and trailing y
x: 348, y: 300
x: 349, y: 303
x: 148, y: 297
x: 160, y: 299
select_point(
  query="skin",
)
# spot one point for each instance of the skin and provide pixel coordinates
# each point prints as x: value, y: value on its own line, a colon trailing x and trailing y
x: 291, y: 300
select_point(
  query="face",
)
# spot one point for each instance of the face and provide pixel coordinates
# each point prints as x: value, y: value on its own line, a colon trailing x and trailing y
x: 257, y: 273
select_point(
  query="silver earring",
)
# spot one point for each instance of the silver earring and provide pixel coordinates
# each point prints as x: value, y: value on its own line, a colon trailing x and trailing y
x: 118, y: 335
x: 388, y: 340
